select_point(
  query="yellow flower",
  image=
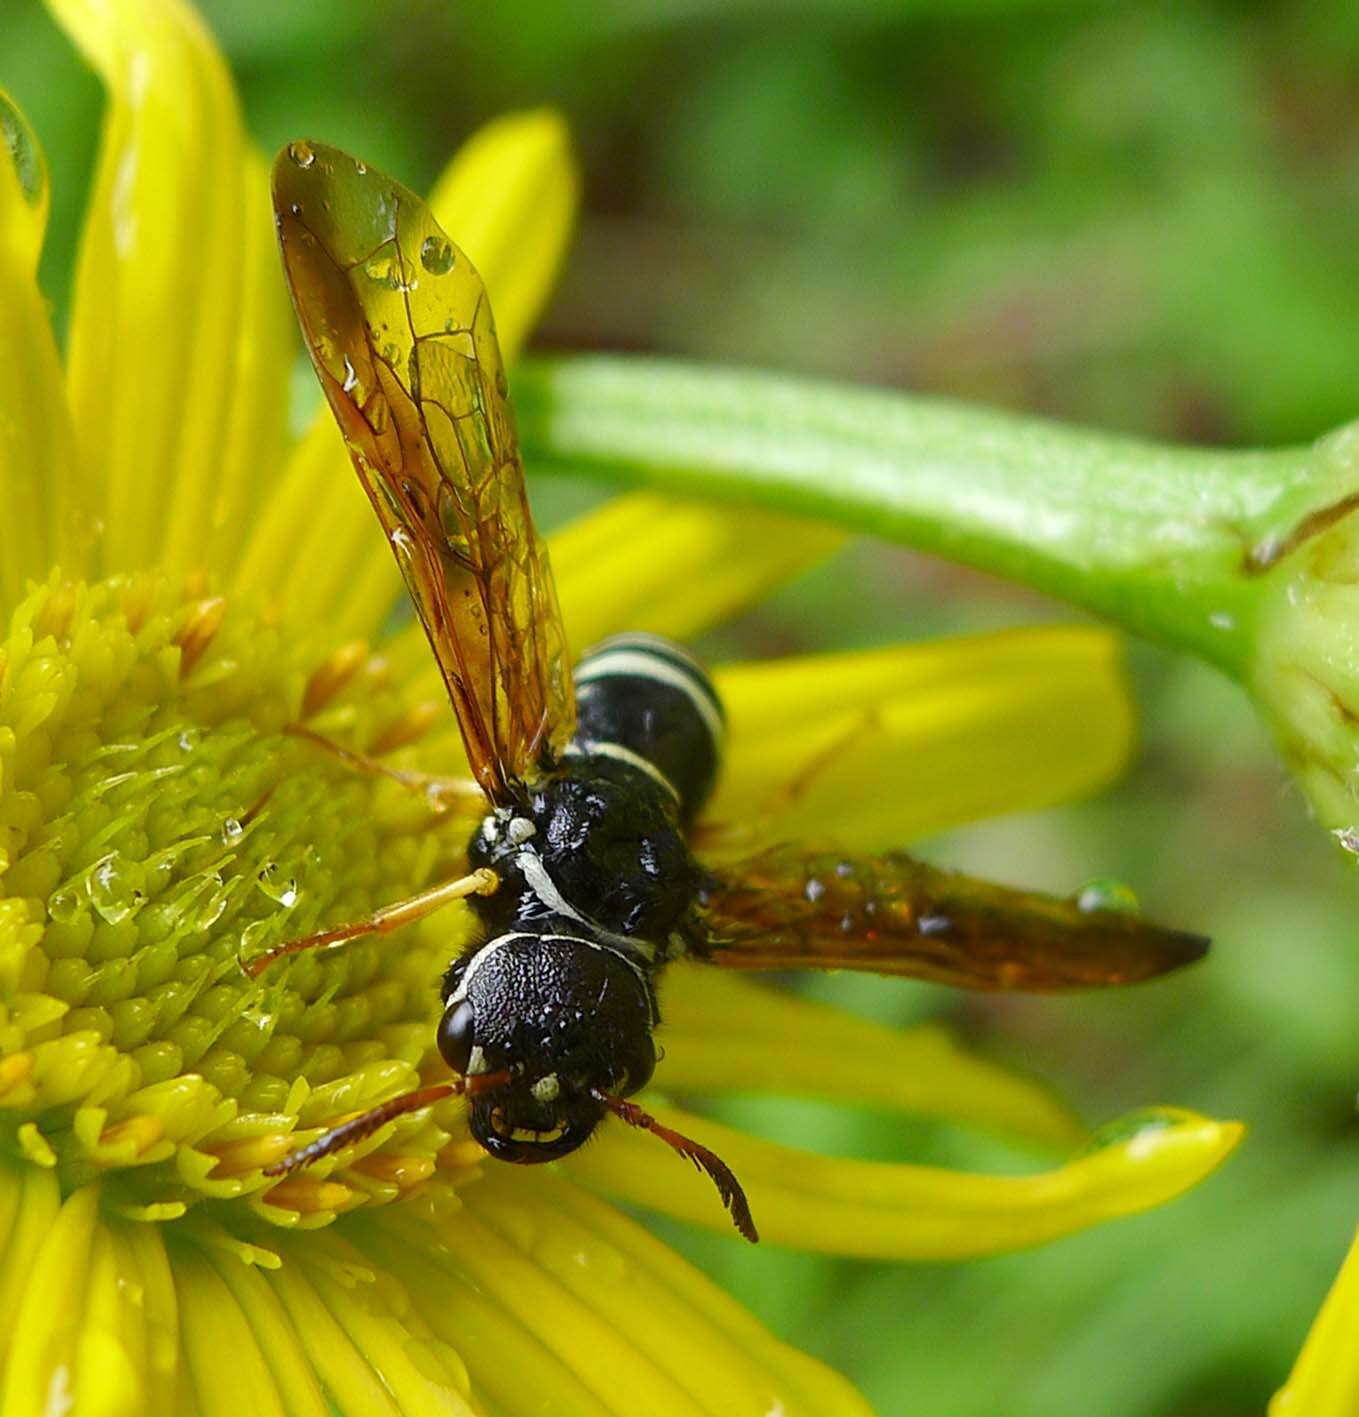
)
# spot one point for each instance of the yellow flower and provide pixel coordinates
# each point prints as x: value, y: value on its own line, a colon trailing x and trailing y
x: 180, y: 584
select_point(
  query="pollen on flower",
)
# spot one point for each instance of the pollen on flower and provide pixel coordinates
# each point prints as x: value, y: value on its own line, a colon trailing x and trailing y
x: 158, y: 826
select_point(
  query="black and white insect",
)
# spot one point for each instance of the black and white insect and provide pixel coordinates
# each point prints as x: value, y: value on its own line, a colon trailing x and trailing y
x: 583, y: 870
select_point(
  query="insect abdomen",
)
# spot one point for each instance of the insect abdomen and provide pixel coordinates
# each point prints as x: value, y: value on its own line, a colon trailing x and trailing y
x: 641, y: 697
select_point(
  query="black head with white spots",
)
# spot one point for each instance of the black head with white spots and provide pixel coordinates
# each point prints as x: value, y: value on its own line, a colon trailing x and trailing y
x: 565, y: 1018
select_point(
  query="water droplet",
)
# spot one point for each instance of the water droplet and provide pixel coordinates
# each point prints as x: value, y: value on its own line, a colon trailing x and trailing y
x: 436, y: 255
x: 256, y: 935
x: 282, y: 889
x: 301, y: 153
x: 115, y: 888
x: 350, y: 377
x: 1222, y: 620
x: 598, y: 1262
x: 1348, y: 839
x: 1105, y: 893
x: 64, y: 904
x: 361, y: 168
x: 211, y: 908
x: 384, y: 268
x: 232, y: 831
x: 1145, y: 1122
x: 189, y: 739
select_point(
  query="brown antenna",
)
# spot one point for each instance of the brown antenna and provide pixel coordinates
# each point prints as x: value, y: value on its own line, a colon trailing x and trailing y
x: 728, y: 1187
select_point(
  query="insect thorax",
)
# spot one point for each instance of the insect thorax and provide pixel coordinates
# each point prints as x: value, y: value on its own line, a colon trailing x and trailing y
x: 597, y: 884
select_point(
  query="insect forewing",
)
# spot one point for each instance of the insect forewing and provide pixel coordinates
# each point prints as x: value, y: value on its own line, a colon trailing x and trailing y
x: 400, y: 331
x: 794, y: 909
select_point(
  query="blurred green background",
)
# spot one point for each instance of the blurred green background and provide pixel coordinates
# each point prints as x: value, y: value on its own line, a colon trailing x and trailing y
x: 1137, y: 216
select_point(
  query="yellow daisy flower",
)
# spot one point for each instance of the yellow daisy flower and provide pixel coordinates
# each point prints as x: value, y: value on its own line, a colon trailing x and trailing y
x: 179, y: 585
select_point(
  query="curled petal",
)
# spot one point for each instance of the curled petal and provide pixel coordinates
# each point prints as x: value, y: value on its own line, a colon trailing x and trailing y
x: 889, y: 1211
x: 872, y: 749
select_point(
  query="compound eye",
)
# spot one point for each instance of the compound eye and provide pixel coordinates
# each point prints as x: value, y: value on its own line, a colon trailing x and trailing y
x: 454, y: 1036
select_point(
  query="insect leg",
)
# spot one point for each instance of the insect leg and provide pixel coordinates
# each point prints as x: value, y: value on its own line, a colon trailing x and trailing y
x: 366, y: 1123
x: 440, y: 793
x: 482, y: 881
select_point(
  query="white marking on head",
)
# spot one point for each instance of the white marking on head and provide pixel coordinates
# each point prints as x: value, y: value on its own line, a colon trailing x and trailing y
x: 490, y: 827
x: 519, y: 831
x: 547, y: 1089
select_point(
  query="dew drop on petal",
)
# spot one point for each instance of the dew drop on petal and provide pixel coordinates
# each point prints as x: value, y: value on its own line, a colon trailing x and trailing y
x: 436, y: 255
x: 301, y: 153
x: 1146, y: 1122
x: 232, y: 831
x: 1105, y: 893
x: 64, y: 904
x: 114, y: 887
x: 277, y: 886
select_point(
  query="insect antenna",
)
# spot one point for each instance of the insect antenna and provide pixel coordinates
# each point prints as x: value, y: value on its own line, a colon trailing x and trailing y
x: 722, y: 1176
x: 366, y: 1123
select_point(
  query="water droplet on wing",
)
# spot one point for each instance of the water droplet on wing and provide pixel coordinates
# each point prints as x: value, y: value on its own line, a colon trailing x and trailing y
x: 436, y: 255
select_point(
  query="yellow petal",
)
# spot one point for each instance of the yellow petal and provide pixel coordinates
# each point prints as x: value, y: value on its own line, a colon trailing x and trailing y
x: 891, y: 1211
x: 409, y: 1369
x: 229, y: 1372
x: 644, y: 562
x: 256, y: 435
x: 723, y: 1034
x: 273, y: 1331
x: 110, y: 1369
x: 159, y: 286
x: 37, y: 452
x: 508, y: 198
x: 1325, y: 1379
x: 347, y: 1376
x: 677, y: 568
x: 31, y: 1199
x: 47, y: 1323
x: 868, y: 750
x: 630, y: 1325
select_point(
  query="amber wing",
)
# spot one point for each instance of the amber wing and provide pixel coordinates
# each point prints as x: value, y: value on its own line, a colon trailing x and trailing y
x: 792, y: 909
x: 401, y: 335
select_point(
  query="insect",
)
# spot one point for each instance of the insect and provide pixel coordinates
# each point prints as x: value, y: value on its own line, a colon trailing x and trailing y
x: 583, y: 869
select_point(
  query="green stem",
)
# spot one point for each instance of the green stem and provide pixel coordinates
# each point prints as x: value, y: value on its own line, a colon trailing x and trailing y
x: 1168, y: 542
